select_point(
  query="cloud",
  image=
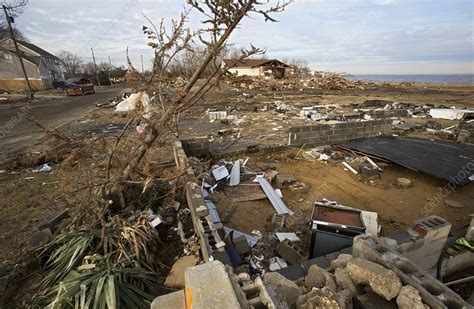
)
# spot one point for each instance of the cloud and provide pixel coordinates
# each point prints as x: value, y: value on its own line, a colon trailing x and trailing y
x: 340, y: 35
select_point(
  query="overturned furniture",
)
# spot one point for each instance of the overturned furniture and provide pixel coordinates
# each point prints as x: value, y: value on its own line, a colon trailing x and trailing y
x: 333, y: 226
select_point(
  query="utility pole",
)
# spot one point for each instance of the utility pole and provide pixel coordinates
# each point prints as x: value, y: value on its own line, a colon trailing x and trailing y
x: 143, y: 71
x: 95, y: 66
x: 110, y: 68
x: 9, y: 20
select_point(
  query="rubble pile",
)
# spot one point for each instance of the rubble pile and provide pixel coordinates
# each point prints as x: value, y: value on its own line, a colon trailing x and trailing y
x: 326, y: 81
x: 350, y: 281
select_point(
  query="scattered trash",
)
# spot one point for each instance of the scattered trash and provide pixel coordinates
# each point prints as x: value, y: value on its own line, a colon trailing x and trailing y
x: 235, y: 174
x: 334, y: 226
x: 220, y: 172
x: 350, y: 168
x: 43, y: 169
x: 157, y: 221
x: 290, y: 236
x: 277, y: 263
x: 276, y: 201
x: 217, y: 115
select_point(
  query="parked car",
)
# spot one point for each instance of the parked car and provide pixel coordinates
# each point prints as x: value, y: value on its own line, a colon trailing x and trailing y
x: 78, y: 86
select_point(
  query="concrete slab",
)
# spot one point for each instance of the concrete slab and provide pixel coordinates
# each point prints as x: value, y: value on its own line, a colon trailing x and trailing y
x: 209, y: 286
x: 175, y: 300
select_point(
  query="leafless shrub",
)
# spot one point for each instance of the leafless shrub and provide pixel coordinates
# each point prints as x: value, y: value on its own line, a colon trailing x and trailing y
x: 220, y: 18
x: 70, y: 61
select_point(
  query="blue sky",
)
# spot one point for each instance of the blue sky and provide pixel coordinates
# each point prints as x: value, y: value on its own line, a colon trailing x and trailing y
x: 353, y: 36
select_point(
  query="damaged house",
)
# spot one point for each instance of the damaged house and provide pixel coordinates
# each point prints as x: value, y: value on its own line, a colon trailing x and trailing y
x: 256, y: 67
x: 42, y: 67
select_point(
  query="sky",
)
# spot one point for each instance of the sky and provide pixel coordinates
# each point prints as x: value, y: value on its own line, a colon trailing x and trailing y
x: 351, y: 36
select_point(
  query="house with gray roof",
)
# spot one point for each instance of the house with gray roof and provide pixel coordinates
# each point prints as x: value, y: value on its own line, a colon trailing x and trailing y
x: 42, y: 67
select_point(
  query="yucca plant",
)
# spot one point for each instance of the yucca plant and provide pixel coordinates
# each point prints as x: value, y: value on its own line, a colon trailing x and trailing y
x: 110, y: 267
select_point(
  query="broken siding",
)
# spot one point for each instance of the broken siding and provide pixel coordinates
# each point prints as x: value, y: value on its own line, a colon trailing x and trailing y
x: 11, y: 74
x: 241, y: 71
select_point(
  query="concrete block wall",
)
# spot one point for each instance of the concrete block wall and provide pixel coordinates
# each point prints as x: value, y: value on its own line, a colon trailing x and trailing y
x: 321, y: 134
x: 196, y: 146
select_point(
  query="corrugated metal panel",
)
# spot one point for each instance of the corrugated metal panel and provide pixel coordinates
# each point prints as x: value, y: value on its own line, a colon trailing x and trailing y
x: 276, y: 201
x: 235, y: 174
x: 211, y: 207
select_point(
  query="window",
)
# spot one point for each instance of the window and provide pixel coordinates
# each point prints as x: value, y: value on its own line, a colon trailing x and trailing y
x: 8, y: 58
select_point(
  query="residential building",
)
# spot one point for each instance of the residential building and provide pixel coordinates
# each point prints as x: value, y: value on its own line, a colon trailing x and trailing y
x: 42, y: 67
x: 256, y: 67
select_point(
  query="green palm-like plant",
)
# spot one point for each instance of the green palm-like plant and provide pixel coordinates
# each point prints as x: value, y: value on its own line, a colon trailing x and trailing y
x: 110, y: 267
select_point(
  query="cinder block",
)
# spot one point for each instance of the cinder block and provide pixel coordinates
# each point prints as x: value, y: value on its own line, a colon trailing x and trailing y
x: 321, y: 127
x: 295, y: 129
x: 350, y: 136
x: 323, y: 139
x: 338, y: 138
x: 290, y: 252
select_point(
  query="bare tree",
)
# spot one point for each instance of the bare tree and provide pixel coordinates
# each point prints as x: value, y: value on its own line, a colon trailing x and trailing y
x: 220, y: 18
x: 88, y: 69
x: 14, y: 9
x: 105, y: 67
x: 70, y: 61
x: 300, y: 66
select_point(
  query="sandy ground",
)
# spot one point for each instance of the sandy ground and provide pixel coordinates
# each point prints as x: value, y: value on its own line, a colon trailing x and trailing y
x: 397, y: 208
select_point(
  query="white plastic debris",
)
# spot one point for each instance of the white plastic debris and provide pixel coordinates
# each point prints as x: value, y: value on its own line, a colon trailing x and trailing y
x: 277, y: 263
x: 350, y: 168
x: 324, y: 157
x: 257, y: 233
x: 217, y: 115
x: 129, y: 104
x: 220, y: 172
x: 448, y: 113
x: 373, y: 163
x: 43, y: 169
x: 157, y: 221
x: 278, y: 192
x: 290, y: 236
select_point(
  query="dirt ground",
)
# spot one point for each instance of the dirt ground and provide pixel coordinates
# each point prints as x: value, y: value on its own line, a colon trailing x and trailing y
x: 397, y: 208
x: 37, y: 199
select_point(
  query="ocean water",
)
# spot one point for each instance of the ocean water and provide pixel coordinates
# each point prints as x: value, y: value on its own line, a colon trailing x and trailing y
x: 420, y: 78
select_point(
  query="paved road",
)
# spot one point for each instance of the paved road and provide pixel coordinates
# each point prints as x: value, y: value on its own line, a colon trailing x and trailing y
x: 16, y: 132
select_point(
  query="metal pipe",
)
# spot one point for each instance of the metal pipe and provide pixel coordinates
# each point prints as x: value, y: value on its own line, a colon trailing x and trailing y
x: 463, y: 280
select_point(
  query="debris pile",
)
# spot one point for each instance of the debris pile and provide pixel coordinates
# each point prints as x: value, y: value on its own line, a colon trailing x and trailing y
x: 348, y: 281
x: 324, y: 81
